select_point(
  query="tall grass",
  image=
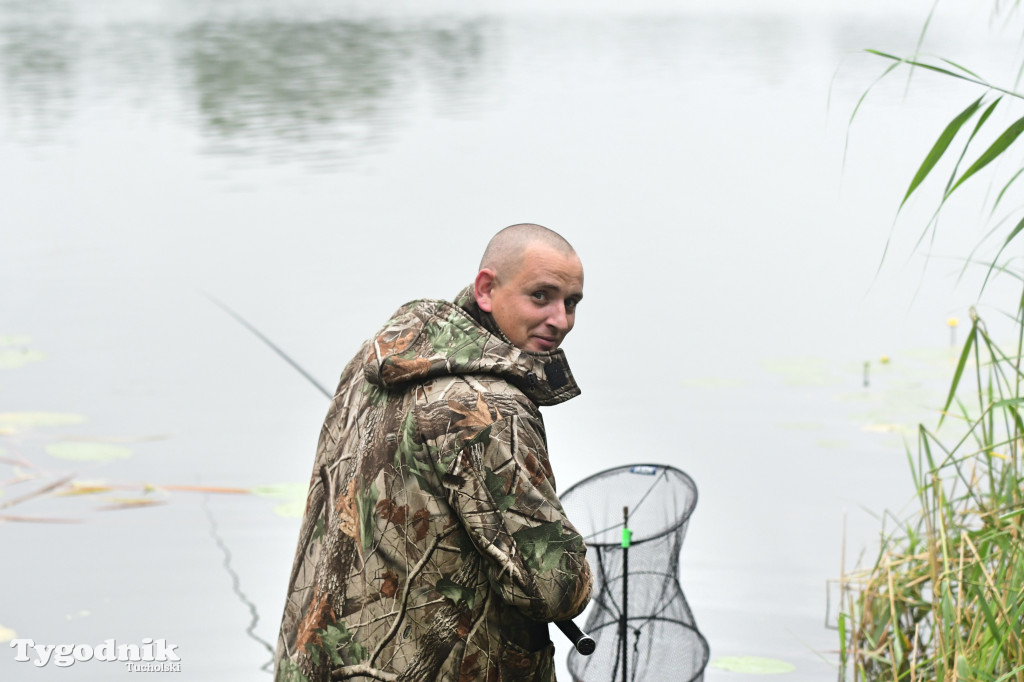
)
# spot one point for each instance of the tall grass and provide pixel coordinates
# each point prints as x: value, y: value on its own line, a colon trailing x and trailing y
x: 944, y: 598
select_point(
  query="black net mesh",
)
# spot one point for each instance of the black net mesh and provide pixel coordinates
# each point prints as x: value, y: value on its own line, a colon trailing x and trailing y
x: 661, y: 639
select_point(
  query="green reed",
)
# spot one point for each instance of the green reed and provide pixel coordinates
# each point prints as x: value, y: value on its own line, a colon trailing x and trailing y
x: 944, y: 599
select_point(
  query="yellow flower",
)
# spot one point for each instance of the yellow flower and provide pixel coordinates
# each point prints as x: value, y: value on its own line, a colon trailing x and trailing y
x: 952, y: 322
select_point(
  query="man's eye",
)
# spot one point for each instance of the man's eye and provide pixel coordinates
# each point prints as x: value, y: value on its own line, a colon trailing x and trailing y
x: 571, y: 305
x: 538, y: 296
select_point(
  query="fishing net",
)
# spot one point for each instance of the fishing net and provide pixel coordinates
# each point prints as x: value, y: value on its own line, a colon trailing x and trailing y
x: 661, y: 639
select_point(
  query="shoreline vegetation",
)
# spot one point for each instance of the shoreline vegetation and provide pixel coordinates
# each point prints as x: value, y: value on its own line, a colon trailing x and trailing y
x: 944, y: 598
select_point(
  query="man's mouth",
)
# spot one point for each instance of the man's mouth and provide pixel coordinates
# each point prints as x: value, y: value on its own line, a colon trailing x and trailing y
x: 545, y: 343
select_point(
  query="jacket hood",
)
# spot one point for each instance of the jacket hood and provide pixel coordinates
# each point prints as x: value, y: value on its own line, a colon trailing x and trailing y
x: 428, y: 338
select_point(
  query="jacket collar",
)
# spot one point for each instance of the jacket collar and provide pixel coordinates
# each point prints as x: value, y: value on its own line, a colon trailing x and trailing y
x: 430, y: 338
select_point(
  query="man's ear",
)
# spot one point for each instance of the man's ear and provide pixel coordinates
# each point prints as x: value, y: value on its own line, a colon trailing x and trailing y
x: 483, y: 285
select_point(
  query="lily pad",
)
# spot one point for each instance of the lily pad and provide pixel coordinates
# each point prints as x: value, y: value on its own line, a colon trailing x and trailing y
x: 803, y: 372
x: 15, y: 421
x: 18, y: 357
x: 711, y: 382
x: 15, y: 352
x: 291, y: 510
x: 88, y: 452
x: 752, y: 665
x: 294, y: 495
x: 887, y: 428
x: 15, y: 340
x: 281, y: 491
x: 7, y: 634
x: 802, y: 426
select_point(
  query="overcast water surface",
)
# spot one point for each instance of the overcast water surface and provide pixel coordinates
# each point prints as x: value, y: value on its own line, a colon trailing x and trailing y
x: 313, y: 165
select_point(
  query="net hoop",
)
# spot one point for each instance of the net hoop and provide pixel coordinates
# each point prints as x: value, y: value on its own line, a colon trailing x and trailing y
x: 662, y: 470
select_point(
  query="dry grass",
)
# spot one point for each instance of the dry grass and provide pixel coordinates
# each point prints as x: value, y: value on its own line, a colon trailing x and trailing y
x: 944, y: 599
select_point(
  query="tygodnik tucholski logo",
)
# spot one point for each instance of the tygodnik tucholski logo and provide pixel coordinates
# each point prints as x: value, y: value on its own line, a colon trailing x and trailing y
x: 150, y: 656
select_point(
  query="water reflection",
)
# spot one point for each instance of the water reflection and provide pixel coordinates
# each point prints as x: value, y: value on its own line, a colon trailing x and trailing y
x: 322, y: 91
x: 38, y: 63
x: 321, y: 88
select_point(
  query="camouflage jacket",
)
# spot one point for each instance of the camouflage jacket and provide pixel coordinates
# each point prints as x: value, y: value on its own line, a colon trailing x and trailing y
x: 433, y: 545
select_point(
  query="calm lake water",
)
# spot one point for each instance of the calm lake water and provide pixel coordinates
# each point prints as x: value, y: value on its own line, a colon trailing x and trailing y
x: 316, y: 164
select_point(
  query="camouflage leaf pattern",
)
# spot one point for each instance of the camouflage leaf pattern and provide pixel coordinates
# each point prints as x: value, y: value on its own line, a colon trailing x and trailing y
x: 434, y: 546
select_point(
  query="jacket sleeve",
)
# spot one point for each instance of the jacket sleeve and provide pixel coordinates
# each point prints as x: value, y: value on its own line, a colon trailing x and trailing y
x: 501, y: 487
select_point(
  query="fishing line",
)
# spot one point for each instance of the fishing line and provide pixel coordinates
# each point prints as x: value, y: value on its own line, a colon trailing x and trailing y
x: 662, y: 475
x: 236, y: 585
x: 309, y: 377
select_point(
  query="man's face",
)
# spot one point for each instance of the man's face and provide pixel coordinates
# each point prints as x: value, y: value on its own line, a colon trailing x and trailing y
x: 534, y: 305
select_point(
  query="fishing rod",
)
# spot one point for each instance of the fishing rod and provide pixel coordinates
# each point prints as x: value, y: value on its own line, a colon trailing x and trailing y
x: 224, y: 306
x: 582, y: 642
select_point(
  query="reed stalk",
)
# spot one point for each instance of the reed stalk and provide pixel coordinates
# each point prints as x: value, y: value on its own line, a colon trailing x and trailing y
x: 944, y: 599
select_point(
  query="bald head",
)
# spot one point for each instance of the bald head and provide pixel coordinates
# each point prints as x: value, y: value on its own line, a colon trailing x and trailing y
x: 530, y: 281
x: 504, y: 253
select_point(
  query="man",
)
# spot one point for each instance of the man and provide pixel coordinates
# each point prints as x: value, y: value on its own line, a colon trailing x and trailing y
x: 433, y: 545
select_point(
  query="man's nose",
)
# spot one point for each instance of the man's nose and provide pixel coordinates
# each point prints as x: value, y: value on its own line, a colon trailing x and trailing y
x: 558, y: 318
